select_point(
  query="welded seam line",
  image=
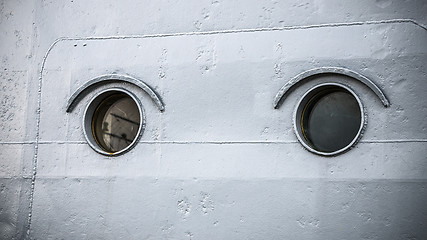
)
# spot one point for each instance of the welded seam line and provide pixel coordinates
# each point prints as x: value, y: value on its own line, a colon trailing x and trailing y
x: 394, y: 141
x: 248, y: 30
x: 18, y: 143
x: 16, y: 177
x: 36, y: 145
x: 237, y: 142
x: 239, y: 178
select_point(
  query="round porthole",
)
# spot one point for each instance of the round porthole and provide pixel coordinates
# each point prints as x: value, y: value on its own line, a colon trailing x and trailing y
x: 329, y: 119
x: 113, y: 121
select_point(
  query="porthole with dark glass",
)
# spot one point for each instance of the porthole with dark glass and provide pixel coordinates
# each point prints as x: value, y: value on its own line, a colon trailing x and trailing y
x: 329, y: 119
x: 113, y: 121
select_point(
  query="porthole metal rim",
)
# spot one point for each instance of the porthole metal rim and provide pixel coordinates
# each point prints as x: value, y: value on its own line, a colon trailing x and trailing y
x: 90, y: 110
x: 304, y: 100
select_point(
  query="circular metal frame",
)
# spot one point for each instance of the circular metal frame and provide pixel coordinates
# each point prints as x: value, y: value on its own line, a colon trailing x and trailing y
x: 90, y: 111
x: 299, y: 110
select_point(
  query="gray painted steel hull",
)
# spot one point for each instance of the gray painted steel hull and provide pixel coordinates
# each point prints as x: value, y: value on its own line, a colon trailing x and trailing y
x: 219, y: 162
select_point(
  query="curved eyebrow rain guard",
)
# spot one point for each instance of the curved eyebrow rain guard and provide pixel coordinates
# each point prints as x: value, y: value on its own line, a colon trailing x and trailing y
x: 82, y: 91
x: 283, y: 92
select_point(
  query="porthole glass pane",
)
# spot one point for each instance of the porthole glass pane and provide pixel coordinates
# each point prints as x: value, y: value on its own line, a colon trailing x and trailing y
x: 116, y: 122
x: 331, y: 120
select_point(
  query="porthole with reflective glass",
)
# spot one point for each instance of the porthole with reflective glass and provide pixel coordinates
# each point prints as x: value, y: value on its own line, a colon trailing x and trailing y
x: 113, y: 121
x: 329, y: 119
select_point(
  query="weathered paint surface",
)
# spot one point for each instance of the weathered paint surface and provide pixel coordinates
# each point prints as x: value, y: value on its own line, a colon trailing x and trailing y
x: 220, y: 162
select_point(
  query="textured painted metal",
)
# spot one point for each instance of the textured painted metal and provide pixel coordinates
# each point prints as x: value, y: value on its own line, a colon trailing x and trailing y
x: 220, y: 162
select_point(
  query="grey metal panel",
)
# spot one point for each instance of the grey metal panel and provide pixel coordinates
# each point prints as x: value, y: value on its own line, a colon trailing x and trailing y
x: 220, y: 162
